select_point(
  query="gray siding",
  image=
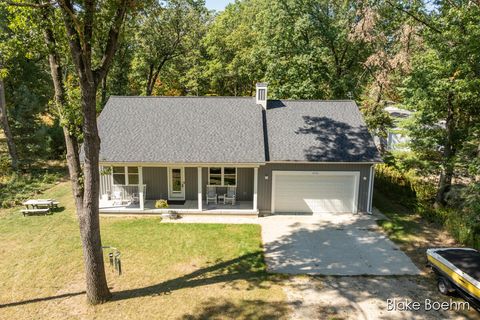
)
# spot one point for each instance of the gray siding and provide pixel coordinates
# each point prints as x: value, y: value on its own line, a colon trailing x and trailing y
x: 265, y: 186
x: 105, y: 181
x: 191, y: 183
x: 244, y: 183
x: 155, y: 178
x: 157, y: 185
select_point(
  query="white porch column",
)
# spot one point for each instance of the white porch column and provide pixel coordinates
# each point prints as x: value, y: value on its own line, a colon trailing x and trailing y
x: 199, y: 187
x: 140, y: 184
x: 255, y: 187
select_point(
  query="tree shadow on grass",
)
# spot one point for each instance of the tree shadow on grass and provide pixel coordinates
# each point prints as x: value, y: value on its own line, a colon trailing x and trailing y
x: 246, y: 309
x: 250, y: 267
x: 60, y: 296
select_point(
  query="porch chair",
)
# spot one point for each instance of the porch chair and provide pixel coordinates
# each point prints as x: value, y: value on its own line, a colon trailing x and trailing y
x: 231, y: 195
x: 117, y: 197
x: 135, y: 198
x: 211, y: 194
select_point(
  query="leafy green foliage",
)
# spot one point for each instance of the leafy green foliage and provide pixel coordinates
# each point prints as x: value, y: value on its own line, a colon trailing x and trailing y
x: 18, y: 187
x: 444, y: 89
x: 161, y: 204
x: 406, y: 189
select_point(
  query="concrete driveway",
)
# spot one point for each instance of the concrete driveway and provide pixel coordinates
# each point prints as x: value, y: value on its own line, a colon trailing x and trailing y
x: 331, y: 244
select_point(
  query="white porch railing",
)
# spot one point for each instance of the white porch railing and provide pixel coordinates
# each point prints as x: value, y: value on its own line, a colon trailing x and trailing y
x: 128, y: 193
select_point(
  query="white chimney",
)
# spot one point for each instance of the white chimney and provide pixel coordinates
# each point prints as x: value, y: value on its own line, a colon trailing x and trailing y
x: 261, y: 96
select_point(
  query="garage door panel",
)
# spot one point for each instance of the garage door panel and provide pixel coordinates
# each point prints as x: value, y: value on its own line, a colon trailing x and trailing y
x: 314, y: 192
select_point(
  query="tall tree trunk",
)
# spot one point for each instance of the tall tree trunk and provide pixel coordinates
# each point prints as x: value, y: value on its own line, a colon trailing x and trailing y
x: 80, y: 43
x: 71, y: 140
x: 12, y: 150
x: 97, y: 288
x: 446, y: 175
x: 86, y: 194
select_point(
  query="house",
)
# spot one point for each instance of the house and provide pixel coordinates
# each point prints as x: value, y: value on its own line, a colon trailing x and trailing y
x: 273, y: 156
x: 396, y: 136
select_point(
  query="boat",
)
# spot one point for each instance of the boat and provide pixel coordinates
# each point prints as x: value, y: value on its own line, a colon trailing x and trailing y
x: 458, y: 269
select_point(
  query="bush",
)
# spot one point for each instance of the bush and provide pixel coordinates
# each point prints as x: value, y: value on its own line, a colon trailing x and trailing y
x: 404, y: 186
x: 161, y: 204
x: 18, y: 187
x: 461, y: 219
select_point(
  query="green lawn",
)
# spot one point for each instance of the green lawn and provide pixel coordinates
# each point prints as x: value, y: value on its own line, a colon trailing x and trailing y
x: 189, y: 271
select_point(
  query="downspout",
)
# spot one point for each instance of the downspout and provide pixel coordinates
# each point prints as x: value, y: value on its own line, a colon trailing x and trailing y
x: 370, y: 189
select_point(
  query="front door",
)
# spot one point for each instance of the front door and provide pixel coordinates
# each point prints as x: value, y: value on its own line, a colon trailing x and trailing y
x: 176, y: 183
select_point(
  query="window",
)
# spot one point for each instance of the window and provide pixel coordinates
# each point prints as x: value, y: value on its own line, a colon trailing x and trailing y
x: 118, y: 175
x: 225, y: 176
x: 132, y: 175
x: 229, y: 176
x: 125, y: 175
x: 215, y: 176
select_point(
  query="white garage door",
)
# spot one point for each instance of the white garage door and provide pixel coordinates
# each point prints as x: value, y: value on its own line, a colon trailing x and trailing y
x: 314, y: 191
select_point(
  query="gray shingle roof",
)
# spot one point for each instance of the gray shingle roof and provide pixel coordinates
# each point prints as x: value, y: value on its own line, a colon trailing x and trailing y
x: 181, y: 129
x: 231, y: 130
x: 310, y: 130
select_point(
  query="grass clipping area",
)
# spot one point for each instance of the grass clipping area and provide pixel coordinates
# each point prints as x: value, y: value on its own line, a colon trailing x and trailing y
x: 170, y: 271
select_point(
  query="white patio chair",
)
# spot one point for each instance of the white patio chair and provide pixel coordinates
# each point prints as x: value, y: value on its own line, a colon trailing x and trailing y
x: 212, y: 194
x: 135, y: 198
x: 117, y: 197
x: 231, y: 195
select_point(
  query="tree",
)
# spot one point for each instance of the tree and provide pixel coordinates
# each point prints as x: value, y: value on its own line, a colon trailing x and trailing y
x: 393, y: 40
x: 12, y: 149
x: 162, y: 35
x: 83, y: 22
x: 444, y: 88
x: 79, y: 27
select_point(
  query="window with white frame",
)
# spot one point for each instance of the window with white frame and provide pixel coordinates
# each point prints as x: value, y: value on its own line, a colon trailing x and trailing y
x: 125, y: 175
x: 224, y: 176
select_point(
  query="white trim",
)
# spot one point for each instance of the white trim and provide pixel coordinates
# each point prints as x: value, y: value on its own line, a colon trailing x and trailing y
x: 125, y: 173
x: 255, y: 188
x: 181, y: 196
x: 223, y: 164
x: 370, y: 189
x: 140, y: 188
x: 222, y: 174
x: 181, y: 164
x: 355, y: 174
x: 199, y: 188
x: 320, y: 162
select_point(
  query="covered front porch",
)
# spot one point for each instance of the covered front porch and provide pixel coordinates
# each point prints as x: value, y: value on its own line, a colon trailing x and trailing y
x: 190, y: 206
x: 230, y: 190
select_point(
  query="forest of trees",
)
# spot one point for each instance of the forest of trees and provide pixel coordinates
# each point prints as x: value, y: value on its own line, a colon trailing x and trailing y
x: 422, y: 56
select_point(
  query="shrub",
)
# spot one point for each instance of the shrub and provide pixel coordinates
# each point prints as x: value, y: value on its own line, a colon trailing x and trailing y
x: 161, y: 204
x: 461, y: 219
x: 18, y: 187
x: 404, y: 186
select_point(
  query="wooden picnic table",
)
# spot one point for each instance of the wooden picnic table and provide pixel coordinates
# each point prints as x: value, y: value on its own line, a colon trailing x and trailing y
x: 39, y: 206
x: 35, y: 203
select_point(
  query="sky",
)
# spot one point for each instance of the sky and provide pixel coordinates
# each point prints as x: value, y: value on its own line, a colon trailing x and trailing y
x: 217, y: 4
